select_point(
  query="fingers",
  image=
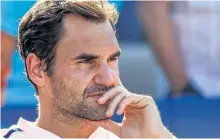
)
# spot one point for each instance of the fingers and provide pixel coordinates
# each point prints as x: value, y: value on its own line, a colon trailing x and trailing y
x: 122, y: 98
x: 123, y: 104
x: 114, y: 104
x: 110, y: 94
x: 135, y: 101
x: 117, y: 94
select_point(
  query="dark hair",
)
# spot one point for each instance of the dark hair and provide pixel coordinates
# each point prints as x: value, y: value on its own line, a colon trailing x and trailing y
x: 42, y: 26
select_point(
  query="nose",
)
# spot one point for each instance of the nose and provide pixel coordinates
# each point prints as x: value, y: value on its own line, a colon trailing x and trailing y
x: 104, y: 75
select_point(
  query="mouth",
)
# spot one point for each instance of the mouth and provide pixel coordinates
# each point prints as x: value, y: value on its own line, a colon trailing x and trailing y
x: 98, y: 95
x: 95, y: 95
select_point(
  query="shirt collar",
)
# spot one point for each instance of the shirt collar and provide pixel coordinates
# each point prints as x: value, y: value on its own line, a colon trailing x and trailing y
x: 32, y: 131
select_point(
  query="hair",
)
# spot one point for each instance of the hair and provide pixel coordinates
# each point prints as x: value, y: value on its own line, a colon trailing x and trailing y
x: 41, y: 28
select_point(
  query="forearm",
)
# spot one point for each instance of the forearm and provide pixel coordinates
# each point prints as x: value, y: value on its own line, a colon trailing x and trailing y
x: 160, y: 30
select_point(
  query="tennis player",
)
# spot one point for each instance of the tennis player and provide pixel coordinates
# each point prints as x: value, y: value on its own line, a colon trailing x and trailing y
x: 71, y: 56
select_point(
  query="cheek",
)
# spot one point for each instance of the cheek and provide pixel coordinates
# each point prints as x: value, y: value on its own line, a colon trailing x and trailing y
x: 78, y: 78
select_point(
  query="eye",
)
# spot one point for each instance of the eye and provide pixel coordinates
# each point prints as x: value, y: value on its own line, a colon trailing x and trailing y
x: 113, y: 59
x: 86, y: 61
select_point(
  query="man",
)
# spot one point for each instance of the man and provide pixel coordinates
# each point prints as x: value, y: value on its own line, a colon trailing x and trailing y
x: 9, y: 27
x: 71, y: 56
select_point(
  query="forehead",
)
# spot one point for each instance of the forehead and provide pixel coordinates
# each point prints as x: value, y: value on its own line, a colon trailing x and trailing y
x: 81, y: 35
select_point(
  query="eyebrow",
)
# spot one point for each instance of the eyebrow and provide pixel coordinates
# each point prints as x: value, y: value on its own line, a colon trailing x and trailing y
x: 116, y: 54
x: 85, y: 56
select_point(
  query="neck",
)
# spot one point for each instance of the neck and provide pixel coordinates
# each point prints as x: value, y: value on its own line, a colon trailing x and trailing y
x: 65, y: 125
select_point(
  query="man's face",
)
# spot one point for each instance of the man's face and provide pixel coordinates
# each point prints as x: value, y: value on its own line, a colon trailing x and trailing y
x: 86, y: 65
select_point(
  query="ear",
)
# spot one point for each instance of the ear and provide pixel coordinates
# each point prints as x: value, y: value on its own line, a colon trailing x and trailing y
x: 35, y: 70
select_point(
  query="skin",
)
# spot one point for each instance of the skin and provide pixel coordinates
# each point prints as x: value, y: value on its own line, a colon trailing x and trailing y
x: 66, y: 107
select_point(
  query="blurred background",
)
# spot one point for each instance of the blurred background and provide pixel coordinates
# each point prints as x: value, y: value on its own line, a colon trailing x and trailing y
x: 170, y: 50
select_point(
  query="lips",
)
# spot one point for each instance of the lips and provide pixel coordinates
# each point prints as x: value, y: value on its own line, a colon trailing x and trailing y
x: 95, y: 95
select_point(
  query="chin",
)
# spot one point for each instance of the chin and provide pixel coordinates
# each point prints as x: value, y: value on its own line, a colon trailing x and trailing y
x: 92, y: 112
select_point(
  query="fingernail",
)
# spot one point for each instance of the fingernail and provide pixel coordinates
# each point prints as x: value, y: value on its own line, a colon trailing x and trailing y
x: 100, y: 101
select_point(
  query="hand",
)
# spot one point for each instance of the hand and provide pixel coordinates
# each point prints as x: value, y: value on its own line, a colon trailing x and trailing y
x: 141, y: 120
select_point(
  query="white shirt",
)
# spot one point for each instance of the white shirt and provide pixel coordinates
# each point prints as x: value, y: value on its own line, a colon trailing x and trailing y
x: 197, y: 25
x: 26, y: 129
